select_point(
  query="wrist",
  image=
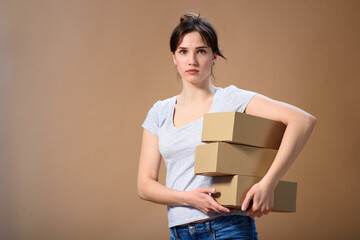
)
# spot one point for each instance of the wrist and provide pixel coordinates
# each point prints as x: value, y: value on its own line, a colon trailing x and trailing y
x: 184, y: 198
x: 270, y: 182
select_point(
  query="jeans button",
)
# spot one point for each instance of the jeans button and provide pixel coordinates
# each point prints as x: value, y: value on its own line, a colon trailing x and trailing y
x: 192, y: 229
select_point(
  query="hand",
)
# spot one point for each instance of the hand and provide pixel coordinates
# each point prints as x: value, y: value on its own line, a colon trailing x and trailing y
x: 259, y: 200
x: 202, y: 200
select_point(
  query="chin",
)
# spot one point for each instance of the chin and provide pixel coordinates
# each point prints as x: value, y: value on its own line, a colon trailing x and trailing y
x: 196, y: 80
x: 193, y: 81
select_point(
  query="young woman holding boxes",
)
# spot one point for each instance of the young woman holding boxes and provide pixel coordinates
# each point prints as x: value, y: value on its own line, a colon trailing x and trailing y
x: 172, y: 130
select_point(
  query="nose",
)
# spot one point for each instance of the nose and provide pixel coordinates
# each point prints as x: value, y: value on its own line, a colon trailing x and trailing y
x: 192, y: 59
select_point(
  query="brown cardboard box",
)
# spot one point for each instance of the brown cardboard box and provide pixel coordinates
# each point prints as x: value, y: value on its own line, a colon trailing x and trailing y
x: 231, y: 192
x: 241, y: 128
x: 220, y: 158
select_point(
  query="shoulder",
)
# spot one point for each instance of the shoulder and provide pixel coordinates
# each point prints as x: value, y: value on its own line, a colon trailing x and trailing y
x: 164, y: 105
x: 232, y: 98
x: 162, y: 109
x: 158, y: 114
x: 234, y: 91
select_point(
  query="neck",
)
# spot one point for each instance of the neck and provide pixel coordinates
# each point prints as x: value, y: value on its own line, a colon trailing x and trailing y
x: 196, y: 93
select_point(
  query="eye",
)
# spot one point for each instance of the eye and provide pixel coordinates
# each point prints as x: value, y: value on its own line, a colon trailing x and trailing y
x: 182, y: 51
x: 202, y: 51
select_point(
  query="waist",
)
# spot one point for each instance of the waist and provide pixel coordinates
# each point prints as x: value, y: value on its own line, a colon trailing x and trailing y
x: 199, y: 221
x: 212, y: 223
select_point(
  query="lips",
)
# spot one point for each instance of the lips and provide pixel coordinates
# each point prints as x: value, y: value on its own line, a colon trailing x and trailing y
x: 192, y: 71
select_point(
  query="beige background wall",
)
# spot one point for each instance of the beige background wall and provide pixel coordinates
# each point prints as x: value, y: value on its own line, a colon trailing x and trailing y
x: 78, y: 77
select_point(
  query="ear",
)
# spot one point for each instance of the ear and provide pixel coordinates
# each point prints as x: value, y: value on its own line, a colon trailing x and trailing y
x: 214, y: 58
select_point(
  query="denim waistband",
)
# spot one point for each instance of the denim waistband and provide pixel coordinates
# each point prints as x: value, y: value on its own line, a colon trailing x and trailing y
x: 208, y: 226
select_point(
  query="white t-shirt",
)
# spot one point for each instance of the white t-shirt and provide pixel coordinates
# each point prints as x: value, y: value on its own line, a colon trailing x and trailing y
x: 177, y: 147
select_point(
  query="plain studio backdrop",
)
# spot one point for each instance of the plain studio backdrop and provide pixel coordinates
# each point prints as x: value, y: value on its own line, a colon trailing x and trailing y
x: 78, y: 77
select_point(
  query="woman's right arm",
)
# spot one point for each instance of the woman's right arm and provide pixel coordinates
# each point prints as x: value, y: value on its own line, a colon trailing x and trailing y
x: 151, y: 190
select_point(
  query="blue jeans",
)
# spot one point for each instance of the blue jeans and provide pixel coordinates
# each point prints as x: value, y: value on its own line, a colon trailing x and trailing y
x: 224, y: 227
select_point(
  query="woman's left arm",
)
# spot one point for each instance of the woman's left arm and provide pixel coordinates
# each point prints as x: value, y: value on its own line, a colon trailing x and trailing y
x: 299, y: 127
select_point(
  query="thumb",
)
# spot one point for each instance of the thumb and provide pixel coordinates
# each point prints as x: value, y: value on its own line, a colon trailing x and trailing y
x: 246, y: 202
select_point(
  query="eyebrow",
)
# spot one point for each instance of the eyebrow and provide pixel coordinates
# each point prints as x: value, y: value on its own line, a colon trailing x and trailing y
x: 195, y: 48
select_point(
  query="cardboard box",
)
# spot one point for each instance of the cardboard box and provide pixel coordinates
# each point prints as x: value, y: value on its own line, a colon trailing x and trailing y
x: 231, y: 192
x: 220, y: 158
x: 241, y: 128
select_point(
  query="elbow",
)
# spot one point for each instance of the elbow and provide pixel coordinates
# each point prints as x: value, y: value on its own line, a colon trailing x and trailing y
x: 141, y: 194
x: 141, y: 191
x: 311, y: 121
x: 304, y: 121
x: 308, y: 122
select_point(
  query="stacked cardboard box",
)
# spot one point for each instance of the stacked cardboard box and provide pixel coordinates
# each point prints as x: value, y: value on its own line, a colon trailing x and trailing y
x: 240, y: 151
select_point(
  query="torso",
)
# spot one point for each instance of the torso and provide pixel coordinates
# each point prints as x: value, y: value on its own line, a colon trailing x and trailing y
x: 185, y: 113
x: 179, y: 136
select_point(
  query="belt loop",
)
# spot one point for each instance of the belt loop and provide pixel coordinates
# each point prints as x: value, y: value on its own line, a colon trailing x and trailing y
x: 175, y: 233
x: 208, y: 226
x: 210, y: 230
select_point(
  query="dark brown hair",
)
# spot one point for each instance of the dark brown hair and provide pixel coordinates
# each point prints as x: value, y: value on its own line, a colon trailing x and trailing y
x: 192, y: 22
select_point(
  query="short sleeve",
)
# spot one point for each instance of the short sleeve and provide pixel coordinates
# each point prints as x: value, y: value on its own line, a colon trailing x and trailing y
x: 237, y: 99
x: 151, y: 122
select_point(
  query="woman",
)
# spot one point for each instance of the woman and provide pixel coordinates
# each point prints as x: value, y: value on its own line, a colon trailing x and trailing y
x: 172, y: 130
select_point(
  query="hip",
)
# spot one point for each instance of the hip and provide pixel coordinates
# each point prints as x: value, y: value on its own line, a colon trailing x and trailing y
x: 222, y: 227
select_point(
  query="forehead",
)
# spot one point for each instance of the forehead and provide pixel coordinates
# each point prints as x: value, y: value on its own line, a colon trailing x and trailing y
x: 192, y: 39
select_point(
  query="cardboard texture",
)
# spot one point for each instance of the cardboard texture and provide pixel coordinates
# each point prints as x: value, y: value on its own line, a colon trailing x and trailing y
x: 241, y: 128
x: 220, y: 158
x: 231, y: 191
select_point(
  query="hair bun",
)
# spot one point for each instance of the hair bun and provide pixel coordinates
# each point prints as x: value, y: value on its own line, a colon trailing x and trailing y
x: 189, y: 16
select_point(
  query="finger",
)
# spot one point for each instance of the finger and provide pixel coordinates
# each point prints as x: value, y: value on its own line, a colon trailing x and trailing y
x: 250, y: 213
x: 218, y: 208
x: 252, y: 210
x: 223, y: 209
x: 253, y: 214
x: 263, y: 211
x: 268, y: 210
x: 207, y: 190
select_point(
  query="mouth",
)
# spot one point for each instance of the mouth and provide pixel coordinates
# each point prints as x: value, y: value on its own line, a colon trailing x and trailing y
x: 192, y: 71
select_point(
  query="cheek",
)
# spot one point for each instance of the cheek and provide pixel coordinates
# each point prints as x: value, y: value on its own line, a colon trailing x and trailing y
x: 209, y: 64
x: 179, y: 67
x: 178, y: 60
x: 181, y: 62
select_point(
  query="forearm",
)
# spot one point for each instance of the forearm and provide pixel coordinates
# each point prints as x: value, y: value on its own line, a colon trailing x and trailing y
x: 299, y: 125
x: 152, y: 190
x: 198, y: 198
x: 296, y: 135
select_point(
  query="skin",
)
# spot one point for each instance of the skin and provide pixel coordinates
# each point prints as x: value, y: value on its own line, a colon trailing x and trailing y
x: 192, y: 103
